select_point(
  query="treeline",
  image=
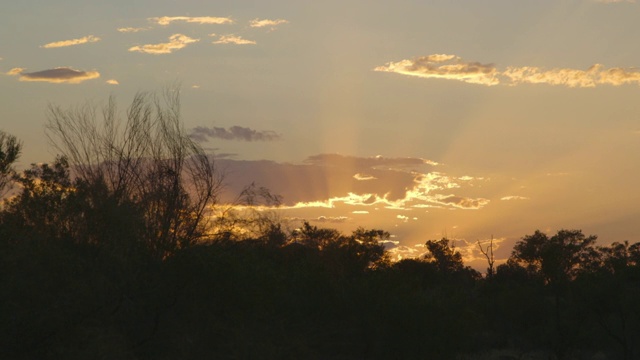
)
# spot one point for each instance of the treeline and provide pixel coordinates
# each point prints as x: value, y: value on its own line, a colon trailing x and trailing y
x: 118, y: 250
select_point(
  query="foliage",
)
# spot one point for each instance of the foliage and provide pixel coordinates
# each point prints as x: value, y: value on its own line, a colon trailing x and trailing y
x: 107, y: 253
x: 557, y: 258
x: 10, y: 149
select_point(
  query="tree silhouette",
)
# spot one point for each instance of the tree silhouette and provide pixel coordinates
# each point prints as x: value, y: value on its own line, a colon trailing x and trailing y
x: 557, y: 258
x: 147, y: 160
x: 10, y: 149
x: 447, y: 259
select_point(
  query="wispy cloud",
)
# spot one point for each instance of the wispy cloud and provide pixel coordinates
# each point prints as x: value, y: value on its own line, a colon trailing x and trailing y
x: 566, y: 77
x: 442, y: 66
x: 233, y: 39
x: 166, y: 20
x: 176, y: 42
x: 423, y: 194
x: 72, y: 42
x: 57, y: 75
x: 514, y: 197
x: 260, y: 23
x: 363, y: 177
x: 451, y: 67
x: 113, y: 82
x: 240, y: 133
x: 15, y: 71
x: 132, y: 29
x: 460, y: 202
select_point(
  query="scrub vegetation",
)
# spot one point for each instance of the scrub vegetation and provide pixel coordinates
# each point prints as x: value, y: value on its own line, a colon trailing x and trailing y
x: 119, y: 250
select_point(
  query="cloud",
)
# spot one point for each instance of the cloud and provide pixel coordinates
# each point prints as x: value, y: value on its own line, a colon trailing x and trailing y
x: 374, y: 162
x: 113, y: 82
x: 326, y: 181
x: 132, y: 29
x: 166, y: 20
x: 470, y: 250
x: 240, y: 133
x: 259, y: 23
x: 363, y: 177
x: 566, y: 77
x: 233, y: 39
x: 513, y: 197
x: 619, y: 76
x: 442, y: 66
x: 72, y: 42
x: 331, y: 219
x: 176, y: 42
x: 451, y: 67
x: 403, y: 252
x: 460, y: 202
x: 57, y: 75
x: 15, y: 71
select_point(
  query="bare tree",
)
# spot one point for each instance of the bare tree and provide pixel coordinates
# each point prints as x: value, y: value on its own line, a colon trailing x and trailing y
x: 488, y: 253
x: 146, y: 159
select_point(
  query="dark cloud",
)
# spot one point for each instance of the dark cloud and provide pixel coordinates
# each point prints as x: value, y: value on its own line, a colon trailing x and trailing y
x: 367, y: 163
x: 202, y: 134
x: 312, y: 182
x: 326, y: 181
x: 57, y: 75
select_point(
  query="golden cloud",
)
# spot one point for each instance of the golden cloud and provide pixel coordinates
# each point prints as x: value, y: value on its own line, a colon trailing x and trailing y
x: 514, y: 197
x: 176, y: 42
x: 131, y: 29
x: 72, y: 42
x: 566, y: 77
x: 15, y: 71
x: 451, y: 67
x: 166, y: 20
x: 113, y: 82
x: 327, y: 181
x: 421, y: 195
x: 233, y: 39
x: 57, y: 75
x: 619, y: 76
x: 442, y: 66
x: 259, y: 23
x: 363, y: 177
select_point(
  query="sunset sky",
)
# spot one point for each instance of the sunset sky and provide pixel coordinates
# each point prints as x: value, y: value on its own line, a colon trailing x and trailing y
x: 458, y: 118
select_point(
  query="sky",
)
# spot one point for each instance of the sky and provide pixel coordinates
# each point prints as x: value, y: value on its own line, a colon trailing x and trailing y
x: 457, y: 118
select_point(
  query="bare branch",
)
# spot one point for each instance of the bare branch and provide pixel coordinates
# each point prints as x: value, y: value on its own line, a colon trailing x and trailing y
x: 147, y: 159
x: 488, y: 253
